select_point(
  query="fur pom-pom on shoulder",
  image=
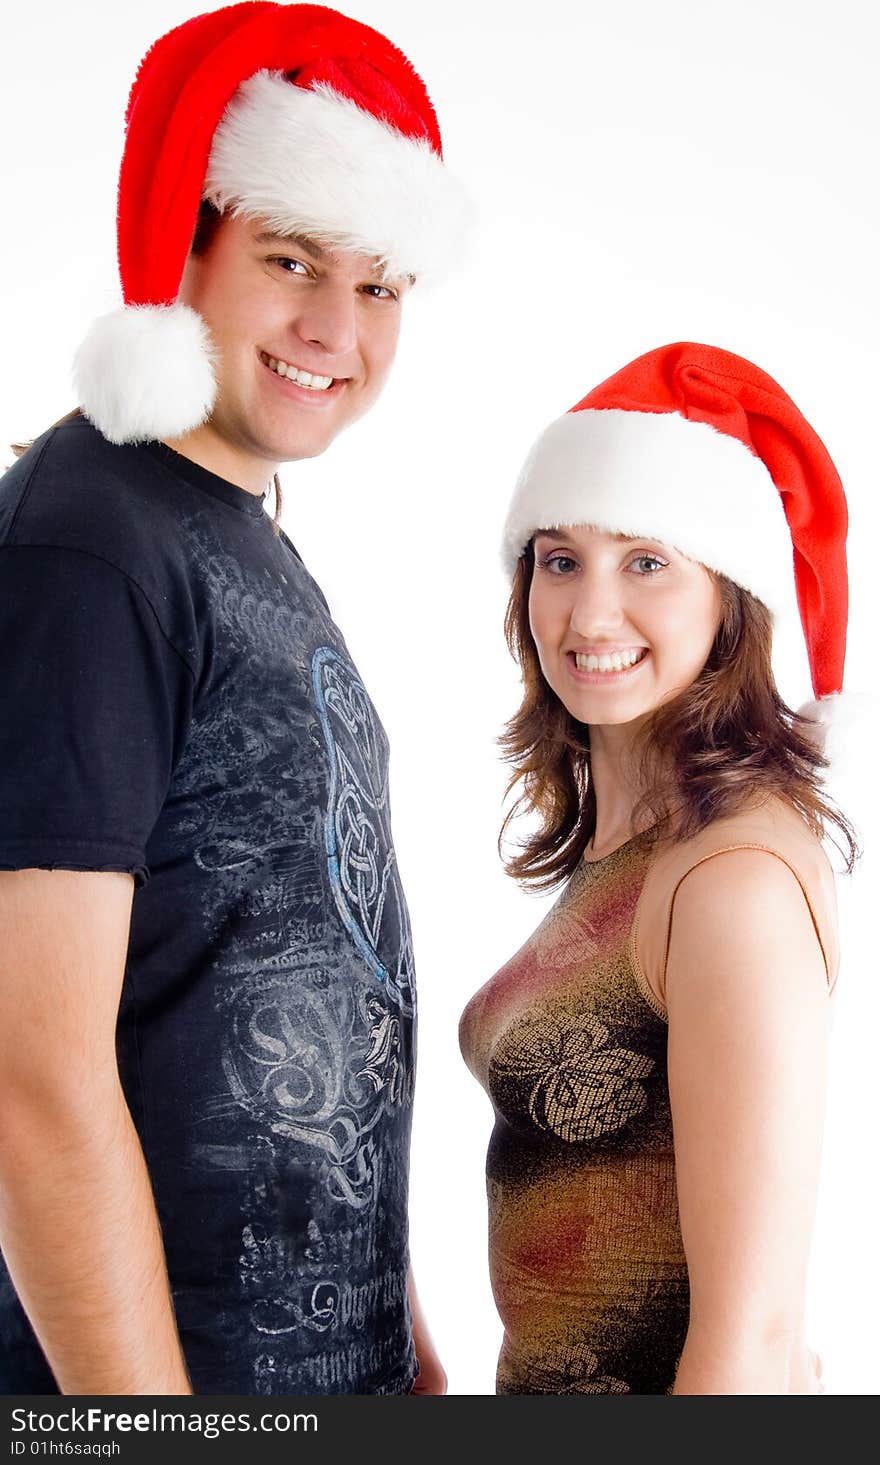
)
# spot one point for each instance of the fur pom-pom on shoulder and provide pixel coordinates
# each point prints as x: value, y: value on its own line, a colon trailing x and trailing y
x: 146, y: 372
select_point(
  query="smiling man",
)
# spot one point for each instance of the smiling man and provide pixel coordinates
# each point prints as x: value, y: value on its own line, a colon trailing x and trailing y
x: 207, y: 1014
x: 285, y: 394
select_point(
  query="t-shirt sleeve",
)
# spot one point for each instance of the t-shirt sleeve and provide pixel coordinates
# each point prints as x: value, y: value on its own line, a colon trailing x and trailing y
x: 94, y: 709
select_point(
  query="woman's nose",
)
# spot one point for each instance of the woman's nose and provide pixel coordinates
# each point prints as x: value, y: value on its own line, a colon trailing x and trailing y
x: 597, y: 606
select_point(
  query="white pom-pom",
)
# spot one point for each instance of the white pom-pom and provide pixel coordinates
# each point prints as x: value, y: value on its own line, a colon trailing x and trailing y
x: 840, y: 721
x: 146, y: 372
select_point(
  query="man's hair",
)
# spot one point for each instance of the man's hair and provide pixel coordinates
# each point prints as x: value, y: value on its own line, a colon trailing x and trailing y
x: 723, y: 744
x: 207, y: 221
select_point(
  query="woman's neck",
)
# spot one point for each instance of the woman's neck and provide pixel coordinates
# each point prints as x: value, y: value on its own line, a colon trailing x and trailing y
x: 615, y: 777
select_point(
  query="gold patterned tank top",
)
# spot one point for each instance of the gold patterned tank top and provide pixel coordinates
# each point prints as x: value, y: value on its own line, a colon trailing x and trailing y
x: 569, y: 1040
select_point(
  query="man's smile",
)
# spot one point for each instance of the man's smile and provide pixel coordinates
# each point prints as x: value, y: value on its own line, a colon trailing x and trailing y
x: 298, y: 374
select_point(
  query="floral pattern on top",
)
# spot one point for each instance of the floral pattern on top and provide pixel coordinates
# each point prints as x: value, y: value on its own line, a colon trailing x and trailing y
x: 580, y: 1087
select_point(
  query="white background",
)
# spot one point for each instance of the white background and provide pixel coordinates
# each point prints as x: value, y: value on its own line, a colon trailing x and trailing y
x: 645, y: 173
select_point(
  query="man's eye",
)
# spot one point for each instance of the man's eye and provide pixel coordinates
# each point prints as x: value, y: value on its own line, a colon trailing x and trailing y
x: 288, y: 265
x: 380, y: 292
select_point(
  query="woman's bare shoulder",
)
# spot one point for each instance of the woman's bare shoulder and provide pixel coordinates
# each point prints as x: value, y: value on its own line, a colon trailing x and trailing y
x: 770, y: 851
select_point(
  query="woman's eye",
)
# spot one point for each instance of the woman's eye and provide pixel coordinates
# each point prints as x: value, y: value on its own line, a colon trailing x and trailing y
x: 647, y: 564
x: 558, y: 564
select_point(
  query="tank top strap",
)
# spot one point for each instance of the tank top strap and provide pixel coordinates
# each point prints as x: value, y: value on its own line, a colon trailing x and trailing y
x: 774, y: 827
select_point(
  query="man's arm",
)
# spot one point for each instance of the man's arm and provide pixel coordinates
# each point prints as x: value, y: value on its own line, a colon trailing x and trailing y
x: 78, y: 1224
x: 748, y: 1026
x: 431, y: 1377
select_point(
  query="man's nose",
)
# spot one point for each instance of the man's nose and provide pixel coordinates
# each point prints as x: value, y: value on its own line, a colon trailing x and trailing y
x: 328, y: 318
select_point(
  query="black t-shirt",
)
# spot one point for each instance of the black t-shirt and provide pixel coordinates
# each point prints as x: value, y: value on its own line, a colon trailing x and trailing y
x: 177, y: 703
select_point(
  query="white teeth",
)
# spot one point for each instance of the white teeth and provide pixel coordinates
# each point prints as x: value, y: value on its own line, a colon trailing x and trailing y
x: 608, y: 661
x: 295, y: 374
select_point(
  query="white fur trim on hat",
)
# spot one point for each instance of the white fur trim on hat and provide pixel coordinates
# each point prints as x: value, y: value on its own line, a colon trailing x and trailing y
x: 311, y: 162
x: 662, y: 475
x: 145, y: 372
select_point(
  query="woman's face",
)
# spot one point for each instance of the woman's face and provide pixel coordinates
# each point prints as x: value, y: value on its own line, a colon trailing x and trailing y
x: 621, y: 625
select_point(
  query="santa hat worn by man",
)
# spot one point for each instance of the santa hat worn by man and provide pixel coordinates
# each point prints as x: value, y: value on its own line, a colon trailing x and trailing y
x: 699, y: 448
x: 291, y: 113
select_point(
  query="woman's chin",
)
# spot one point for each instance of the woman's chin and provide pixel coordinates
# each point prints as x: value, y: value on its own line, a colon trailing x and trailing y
x: 607, y: 711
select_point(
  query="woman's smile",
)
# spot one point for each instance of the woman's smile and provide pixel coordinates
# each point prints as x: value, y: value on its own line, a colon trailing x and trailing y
x: 601, y: 668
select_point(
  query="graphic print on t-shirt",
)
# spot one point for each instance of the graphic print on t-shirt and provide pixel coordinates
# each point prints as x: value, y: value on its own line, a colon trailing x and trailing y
x: 282, y: 1056
x: 360, y: 855
x: 314, y: 988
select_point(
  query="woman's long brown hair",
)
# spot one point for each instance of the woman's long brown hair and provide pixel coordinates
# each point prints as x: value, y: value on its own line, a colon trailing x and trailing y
x: 724, y: 742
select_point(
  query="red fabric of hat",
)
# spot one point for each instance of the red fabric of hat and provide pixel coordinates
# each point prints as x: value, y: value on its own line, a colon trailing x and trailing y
x: 182, y: 89
x: 729, y: 393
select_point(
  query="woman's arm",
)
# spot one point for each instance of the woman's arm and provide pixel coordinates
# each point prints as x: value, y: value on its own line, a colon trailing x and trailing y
x: 748, y: 1009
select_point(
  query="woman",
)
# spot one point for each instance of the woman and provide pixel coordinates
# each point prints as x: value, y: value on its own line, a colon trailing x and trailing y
x: 655, y: 1053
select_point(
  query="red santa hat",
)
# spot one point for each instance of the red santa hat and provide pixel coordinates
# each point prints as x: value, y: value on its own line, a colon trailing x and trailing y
x: 699, y: 448
x: 290, y: 113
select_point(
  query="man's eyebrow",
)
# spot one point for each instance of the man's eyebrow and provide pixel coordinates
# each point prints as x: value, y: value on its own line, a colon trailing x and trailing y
x: 298, y: 241
x: 308, y: 246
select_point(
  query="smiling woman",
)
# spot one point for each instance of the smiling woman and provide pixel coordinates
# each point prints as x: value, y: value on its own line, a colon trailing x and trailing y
x: 655, y: 1053
x: 708, y: 724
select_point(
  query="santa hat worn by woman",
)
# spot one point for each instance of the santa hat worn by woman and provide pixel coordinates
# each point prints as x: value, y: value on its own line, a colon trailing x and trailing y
x: 700, y: 449
x: 290, y: 113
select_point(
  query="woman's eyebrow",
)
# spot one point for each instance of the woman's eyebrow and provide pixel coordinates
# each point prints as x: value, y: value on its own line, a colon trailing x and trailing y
x: 563, y: 530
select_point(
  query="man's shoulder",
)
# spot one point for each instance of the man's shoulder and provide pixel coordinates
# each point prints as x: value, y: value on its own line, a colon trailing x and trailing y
x: 84, y: 512
x: 73, y: 489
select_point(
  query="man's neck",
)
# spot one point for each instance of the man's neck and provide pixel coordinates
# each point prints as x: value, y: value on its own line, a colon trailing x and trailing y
x: 209, y: 450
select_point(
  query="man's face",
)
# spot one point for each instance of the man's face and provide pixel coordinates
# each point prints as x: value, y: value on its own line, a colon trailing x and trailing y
x: 281, y: 306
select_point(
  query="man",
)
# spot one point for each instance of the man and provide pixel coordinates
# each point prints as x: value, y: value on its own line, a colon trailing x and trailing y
x: 207, y: 1007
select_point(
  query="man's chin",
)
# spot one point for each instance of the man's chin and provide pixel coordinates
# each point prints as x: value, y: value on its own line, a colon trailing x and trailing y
x: 296, y: 452
x: 295, y: 446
